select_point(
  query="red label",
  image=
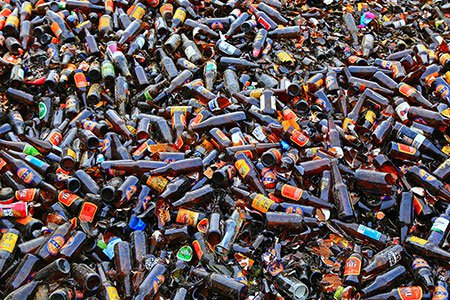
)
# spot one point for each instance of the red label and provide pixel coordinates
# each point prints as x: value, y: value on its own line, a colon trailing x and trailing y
x: 352, y: 266
x: 406, y: 89
x: 291, y: 192
x: 26, y: 195
x: 406, y: 149
x: 299, y: 138
x: 67, y: 198
x: 87, y: 212
x: 197, y: 249
x: 410, y: 293
x: 55, y: 138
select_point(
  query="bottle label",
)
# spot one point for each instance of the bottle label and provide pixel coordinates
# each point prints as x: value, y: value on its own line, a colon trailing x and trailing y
x: 242, y: 167
x: 299, y: 138
x: 56, y: 29
x: 264, y: 23
x: 80, y: 80
x: 138, y: 12
x: 190, y: 52
x: 188, y: 217
x: 443, y: 90
x: 418, y: 263
x: 8, y: 242
x: 67, y: 198
x: 262, y: 203
x: 426, y: 176
x: 30, y: 150
x: 42, y: 110
x: 129, y: 191
x: 370, y: 116
x: 147, y: 95
x: 180, y: 15
x: 87, y: 212
x: 291, y: 192
x: 158, y: 183
x: 406, y: 90
x: 402, y: 110
x: 369, y: 232
x: 258, y: 133
x: 34, y: 161
x: 440, y: 225
x: 26, y: 174
x: 55, y: 138
x: 418, y: 240
x: 418, y: 140
x: 157, y: 282
x: 198, y: 250
x: 406, y: 149
x: 352, y: 266
x: 330, y: 81
x: 440, y: 292
x: 393, y: 258
x: 26, y: 195
x: 112, y: 293
x: 55, y: 244
x: 444, y: 58
x: 294, y: 209
x: 410, y: 293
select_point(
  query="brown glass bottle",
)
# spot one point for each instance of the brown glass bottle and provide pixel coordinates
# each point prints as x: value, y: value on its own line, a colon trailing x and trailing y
x: 341, y: 195
x: 248, y: 172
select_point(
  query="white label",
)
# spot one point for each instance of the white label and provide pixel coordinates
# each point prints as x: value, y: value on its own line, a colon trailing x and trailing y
x: 402, y: 110
x: 440, y: 225
x: 190, y: 52
x: 259, y: 134
x: 418, y: 140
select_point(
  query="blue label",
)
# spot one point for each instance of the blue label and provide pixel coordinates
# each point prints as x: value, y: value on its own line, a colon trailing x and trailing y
x: 369, y: 232
x: 34, y: 161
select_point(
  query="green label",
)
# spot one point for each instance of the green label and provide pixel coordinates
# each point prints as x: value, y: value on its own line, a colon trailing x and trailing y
x: 30, y: 150
x: 147, y: 95
x: 42, y: 110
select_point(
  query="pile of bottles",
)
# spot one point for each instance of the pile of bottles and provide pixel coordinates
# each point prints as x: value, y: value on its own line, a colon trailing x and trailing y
x: 189, y: 149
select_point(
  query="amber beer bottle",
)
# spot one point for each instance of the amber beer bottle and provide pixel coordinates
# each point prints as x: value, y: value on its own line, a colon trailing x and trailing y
x: 296, y: 194
x: 383, y: 260
x: 385, y: 281
x: 23, y: 171
x: 179, y: 167
x: 109, y: 291
x: 418, y: 141
x: 401, y: 293
x: 362, y: 232
x: 7, y: 247
x: 55, y: 242
x: 433, y: 185
x: 341, y: 195
x: 223, y: 284
x: 422, y: 272
x: 353, y: 265
x: 122, y: 260
x: 427, y: 249
x: 248, y: 172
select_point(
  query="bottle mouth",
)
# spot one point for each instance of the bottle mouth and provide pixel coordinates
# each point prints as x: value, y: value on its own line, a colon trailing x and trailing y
x: 63, y: 265
x: 300, y: 291
x: 92, y: 282
x: 107, y: 193
x: 73, y: 185
x: 58, y: 295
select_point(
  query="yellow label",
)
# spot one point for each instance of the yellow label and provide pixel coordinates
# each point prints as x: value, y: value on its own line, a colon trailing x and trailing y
x: 242, y: 167
x: 180, y: 14
x: 446, y: 150
x: 285, y: 57
x: 370, y: 116
x: 138, y: 13
x: 12, y: 20
x: 418, y: 240
x: 112, y: 293
x: 262, y: 203
x: 8, y: 242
